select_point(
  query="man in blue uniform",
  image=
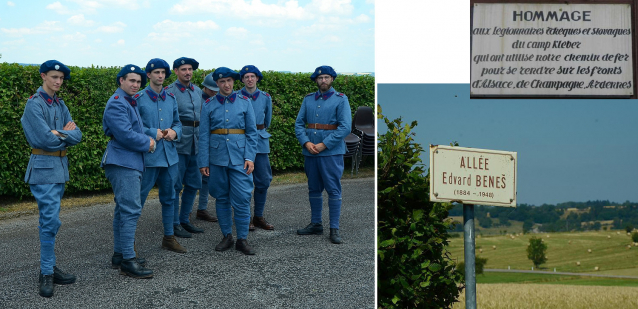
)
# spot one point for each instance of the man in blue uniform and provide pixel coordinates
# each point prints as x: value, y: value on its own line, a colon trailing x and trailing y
x: 123, y: 164
x: 227, y: 145
x: 189, y: 104
x: 49, y: 130
x: 160, y: 119
x: 262, y: 176
x: 210, y: 89
x: 323, y: 123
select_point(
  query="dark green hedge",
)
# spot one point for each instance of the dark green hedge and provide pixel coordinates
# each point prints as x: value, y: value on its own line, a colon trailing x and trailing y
x: 86, y: 95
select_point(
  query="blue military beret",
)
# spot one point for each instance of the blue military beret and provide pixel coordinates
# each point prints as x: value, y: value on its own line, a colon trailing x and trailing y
x: 223, y: 72
x: 131, y: 68
x: 54, y: 65
x: 250, y: 69
x: 184, y: 60
x: 210, y: 83
x: 157, y: 63
x: 324, y: 69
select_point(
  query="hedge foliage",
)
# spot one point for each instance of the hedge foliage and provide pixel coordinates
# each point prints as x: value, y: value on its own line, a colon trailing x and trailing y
x: 86, y: 95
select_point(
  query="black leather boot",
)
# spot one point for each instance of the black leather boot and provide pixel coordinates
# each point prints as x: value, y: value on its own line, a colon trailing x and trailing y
x: 191, y: 228
x: 133, y: 269
x: 60, y: 277
x: 117, y: 257
x: 311, y: 229
x: 46, y: 285
x: 226, y: 243
x: 242, y: 245
x: 334, y: 236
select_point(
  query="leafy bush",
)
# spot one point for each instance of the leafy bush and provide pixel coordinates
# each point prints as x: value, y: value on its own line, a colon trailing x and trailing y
x: 86, y: 95
x: 634, y: 236
x: 414, y: 267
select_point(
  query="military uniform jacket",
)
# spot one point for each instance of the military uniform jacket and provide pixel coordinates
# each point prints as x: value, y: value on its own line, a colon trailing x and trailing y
x: 189, y: 104
x: 42, y: 114
x: 159, y: 111
x: 328, y: 108
x: 262, y: 105
x: 232, y: 112
x: 123, y: 124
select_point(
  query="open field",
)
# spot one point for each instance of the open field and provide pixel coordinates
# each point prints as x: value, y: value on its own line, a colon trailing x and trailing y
x: 516, y: 227
x: 542, y: 296
x: 608, y: 252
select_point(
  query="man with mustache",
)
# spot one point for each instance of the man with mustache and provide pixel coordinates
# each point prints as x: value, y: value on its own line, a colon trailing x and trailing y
x: 160, y: 119
x: 322, y: 124
x: 123, y: 164
x: 189, y: 104
x: 227, y: 146
x: 49, y: 130
x: 262, y: 176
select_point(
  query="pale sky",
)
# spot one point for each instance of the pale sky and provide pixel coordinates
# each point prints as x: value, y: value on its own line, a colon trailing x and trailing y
x: 285, y: 35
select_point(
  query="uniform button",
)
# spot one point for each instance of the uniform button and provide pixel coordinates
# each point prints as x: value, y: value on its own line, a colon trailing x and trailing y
x: 226, y: 120
x: 315, y: 132
x: 161, y: 109
x: 317, y: 106
x: 317, y: 115
x: 56, y: 118
x: 161, y: 119
x: 227, y: 111
x: 227, y: 139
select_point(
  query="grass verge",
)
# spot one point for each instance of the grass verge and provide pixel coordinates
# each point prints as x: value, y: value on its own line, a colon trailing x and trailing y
x: 492, y: 278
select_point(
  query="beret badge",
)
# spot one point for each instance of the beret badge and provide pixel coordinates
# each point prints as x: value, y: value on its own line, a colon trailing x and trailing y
x: 132, y: 68
x: 57, y: 67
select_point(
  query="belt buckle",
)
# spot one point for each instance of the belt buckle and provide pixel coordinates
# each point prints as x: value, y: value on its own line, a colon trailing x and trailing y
x: 315, y: 126
x: 227, y: 131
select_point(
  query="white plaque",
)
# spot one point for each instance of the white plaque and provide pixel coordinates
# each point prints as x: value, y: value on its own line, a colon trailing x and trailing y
x: 527, y: 49
x: 472, y: 176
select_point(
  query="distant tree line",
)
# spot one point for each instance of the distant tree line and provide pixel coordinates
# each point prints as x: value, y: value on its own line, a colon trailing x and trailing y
x: 562, y: 217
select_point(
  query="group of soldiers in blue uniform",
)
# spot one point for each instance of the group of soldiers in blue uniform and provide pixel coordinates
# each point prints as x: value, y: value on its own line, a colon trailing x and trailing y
x: 183, y: 139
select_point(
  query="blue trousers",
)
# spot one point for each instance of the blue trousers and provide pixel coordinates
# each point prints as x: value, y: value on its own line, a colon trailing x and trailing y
x: 48, y: 197
x: 262, y: 176
x: 190, y: 179
x: 203, y: 194
x: 165, y: 178
x: 231, y: 187
x: 324, y: 173
x: 126, y: 185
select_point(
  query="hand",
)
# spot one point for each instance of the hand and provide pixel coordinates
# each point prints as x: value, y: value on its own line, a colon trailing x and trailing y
x: 320, y: 147
x: 170, y: 135
x: 159, y: 135
x: 69, y: 126
x: 152, y: 147
x: 311, y: 147
x: 249, y: 167
x: 205, y: 171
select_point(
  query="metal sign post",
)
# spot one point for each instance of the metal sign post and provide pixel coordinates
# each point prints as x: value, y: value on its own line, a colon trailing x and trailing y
x: 470, y: 265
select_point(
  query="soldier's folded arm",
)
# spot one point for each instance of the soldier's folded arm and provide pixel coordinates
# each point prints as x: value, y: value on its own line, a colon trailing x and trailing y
x: 40, y: 134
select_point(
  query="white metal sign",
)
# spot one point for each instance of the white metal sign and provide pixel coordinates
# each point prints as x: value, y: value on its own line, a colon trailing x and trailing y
x: 532, y: 49
x: 472, y: 176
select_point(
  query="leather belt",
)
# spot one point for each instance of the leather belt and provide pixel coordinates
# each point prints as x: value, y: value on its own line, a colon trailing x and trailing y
x: 322, y: 126
x: 228, y: 131
x: 59, y: 153
x: 189, y: 123
x: 260, y: 126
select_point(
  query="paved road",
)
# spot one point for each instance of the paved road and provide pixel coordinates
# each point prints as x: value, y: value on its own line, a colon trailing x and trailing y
x: 289, y: 271
x: 556, y: 273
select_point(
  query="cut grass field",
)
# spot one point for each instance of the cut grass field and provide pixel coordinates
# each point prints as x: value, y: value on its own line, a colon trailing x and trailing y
x: 12, y: 207
x: 608, y: 252
x: 545, y: 296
